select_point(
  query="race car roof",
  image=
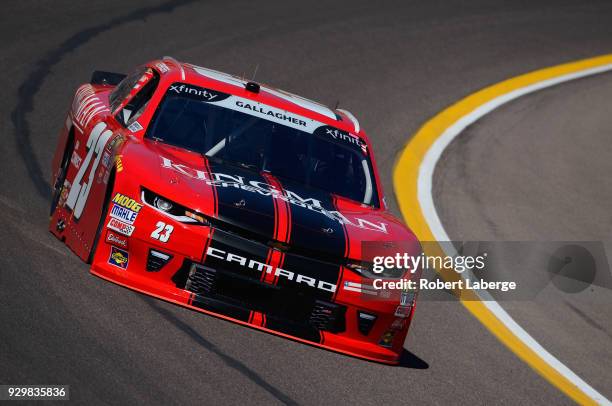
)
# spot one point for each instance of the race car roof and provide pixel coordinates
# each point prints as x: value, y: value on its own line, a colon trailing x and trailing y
x: 341, y: 118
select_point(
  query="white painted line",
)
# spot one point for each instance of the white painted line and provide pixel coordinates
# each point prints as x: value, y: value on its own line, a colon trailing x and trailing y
x: 425, y: 196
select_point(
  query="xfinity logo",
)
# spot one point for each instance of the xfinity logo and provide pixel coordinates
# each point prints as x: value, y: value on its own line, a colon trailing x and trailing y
x: 340, y: 135
x: 203, y: 93
x: 269, y: 269
x: 263, y: 188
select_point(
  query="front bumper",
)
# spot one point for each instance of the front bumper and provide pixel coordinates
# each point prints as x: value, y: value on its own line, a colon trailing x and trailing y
x: 329, y: 320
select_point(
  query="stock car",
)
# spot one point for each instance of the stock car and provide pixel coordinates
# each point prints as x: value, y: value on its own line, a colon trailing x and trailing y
x: 234, y: 199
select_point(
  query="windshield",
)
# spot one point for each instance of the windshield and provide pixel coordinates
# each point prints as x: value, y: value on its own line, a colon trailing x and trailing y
x: 263, y: 138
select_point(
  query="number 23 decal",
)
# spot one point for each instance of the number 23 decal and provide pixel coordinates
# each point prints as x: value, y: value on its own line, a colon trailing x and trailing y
x: 80, y: 191
x: 162, y: 232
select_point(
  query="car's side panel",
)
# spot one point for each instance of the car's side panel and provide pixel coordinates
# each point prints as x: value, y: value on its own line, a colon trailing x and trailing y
x: 97, y: 138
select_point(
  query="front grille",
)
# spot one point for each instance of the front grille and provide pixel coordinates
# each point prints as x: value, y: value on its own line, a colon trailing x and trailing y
x: 327, y: 316
x: 284, y: 303
x: 201, y: 283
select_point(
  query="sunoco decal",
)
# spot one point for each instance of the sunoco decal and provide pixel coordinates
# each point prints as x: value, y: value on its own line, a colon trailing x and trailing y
x: 119, y: 258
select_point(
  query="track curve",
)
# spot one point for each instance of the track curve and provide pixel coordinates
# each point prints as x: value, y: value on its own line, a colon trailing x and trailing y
x: 393, y: 67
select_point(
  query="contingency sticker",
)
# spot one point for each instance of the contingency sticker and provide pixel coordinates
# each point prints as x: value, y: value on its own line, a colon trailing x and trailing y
x: 121, y: 227
x: 118, y: 258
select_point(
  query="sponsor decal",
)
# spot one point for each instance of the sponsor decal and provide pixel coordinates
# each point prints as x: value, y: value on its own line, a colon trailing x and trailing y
x: 135, y: 126
x: 341, y: 136
x: 231, y: 181
x: 163, y: 68
x: 119, y: 258
x: 76, y: 160
x: 119, y: 163
x: 106, y: 159
x: 269, y: 269
x: 127, y: 202
x: 116, y: 239
x: 194, y: 91
x: 269, y: 111
x: 360, y: 288
x: 123, y: 214
x: 407, y: 298
x: 403, y: 311
x: 120, y: 227
x: 64, y: 193
x: 398, y: 324
x: 115, y: 143
x: 106, y: 176
x: 386, y: 340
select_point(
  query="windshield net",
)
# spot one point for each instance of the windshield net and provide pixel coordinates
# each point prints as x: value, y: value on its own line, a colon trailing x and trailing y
x: 263, y: 138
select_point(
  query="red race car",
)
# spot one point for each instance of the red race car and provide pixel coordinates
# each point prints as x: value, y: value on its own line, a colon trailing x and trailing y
x: 231, y: 198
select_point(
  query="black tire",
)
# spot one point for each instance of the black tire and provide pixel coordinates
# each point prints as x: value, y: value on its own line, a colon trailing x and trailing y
x: 61, y: 177
x: 107, y: 199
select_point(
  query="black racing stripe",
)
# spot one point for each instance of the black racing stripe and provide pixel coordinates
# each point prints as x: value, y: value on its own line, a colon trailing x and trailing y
x: 239, y: 203
x: 339, y: 280
x: 347, y: 241
x: 313, y: 225
x: 230, y: 243
x: 214, y: 189
x: 316, y: 232
x: 318, y: 270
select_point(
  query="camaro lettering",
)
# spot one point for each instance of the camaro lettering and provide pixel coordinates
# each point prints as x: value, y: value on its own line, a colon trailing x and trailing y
x: 252, y: 264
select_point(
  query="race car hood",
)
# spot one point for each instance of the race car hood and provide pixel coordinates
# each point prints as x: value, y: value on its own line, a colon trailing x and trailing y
x: 275, y: 210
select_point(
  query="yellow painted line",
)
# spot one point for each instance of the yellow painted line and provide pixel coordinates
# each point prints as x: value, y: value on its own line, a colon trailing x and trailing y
x: 409, y: 171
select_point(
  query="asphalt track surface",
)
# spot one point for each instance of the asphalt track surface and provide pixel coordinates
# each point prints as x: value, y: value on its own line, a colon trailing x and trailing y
x: 393, y: 66
x: 536, y: 188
